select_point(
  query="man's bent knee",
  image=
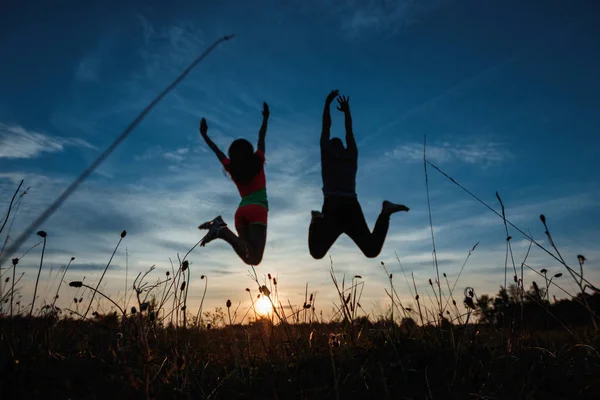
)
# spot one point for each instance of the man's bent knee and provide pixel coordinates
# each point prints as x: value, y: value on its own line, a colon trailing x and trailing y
x: 317, y: 255
x: 371, y: 253
x: 254, y: 260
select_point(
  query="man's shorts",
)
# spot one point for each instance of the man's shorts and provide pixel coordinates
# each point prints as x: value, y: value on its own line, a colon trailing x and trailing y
x: 250, y: 214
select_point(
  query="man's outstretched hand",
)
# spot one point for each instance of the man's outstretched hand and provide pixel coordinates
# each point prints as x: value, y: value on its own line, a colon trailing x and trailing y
x: 332, y: 95
x: 343, y: 104
x: 203, y: 127
x: 265, y: 111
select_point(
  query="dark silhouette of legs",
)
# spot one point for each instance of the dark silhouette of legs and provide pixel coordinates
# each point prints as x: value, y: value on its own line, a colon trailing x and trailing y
x: 370, y: 243
x: 322, y: 234
x: 257, y: 239
x: 345, y: 215
x: 249, y: 245
x: 250, y: 242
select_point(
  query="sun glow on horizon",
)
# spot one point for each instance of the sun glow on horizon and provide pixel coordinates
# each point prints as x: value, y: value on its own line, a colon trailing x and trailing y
x: 263, y: 306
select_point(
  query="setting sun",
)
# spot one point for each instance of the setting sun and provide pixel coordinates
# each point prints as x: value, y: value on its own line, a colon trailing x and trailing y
x: 263, y: 306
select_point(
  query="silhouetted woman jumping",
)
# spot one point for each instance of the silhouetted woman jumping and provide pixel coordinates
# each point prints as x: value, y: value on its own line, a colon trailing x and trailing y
x: 246, y: 168
x: 341, y: 212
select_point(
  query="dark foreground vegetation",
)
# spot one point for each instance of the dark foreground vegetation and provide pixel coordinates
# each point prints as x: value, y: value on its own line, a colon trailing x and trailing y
x: 134, y: 357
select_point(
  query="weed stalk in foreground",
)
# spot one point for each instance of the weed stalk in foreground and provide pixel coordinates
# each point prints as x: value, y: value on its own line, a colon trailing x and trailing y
x: 435, y: 260
x: 581, y: 280
x: 43, y: 235
x: 123, y: 234
x: 61, y: 281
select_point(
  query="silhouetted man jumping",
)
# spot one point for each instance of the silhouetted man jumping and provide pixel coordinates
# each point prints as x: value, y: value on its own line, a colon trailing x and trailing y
x: 341, y: 212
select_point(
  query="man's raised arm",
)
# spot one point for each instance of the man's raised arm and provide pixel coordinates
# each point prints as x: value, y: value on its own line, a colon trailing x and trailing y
x: 325, y: 132
x: 344, y: 106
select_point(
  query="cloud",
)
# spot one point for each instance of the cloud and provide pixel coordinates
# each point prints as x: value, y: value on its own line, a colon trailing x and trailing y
x: 365, y: 17
x: 88, y: 69
x: 156, y: 152
x: 176, y: 155
x: 415, y: 235
x: 18, y: 142
x: 479, y: 153
x: 15, y: 178
x: 167, y: 49
x: 87, y: 267
x: 147, y: 29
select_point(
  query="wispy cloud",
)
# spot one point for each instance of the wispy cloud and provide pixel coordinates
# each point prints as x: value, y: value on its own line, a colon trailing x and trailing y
x: 88, y: 69
x: 158, y: 152
x: 480, y: 153
x: 18, y: 142
x: 177, y: 155
x: 178, y: 42
x: 359, y: 18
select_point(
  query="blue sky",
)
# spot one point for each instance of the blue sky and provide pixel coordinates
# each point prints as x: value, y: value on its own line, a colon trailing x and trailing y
x: 506, y: 93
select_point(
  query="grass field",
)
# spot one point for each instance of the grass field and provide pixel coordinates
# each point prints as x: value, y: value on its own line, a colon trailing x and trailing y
x: 136, y: 358
x: 516, y: 344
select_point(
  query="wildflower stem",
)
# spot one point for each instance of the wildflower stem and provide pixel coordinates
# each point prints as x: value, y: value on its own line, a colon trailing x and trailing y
x: 105, y: 296
x: 187, y: 287
x: 61, y: 280
x: 10, y: 206
x: 126, y: 276
x: 435, y: 261
x: 199, y: 315
x: 102, y: 277
x: 38, y: 276
x: 12, y: 288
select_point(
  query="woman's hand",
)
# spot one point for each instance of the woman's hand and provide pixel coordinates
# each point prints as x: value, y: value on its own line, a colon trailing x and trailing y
x: 265, y: 111
x: 203, y: 127
x: 331, y: 96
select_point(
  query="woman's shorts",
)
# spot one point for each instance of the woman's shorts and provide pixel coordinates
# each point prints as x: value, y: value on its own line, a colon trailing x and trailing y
x: 250, y: 214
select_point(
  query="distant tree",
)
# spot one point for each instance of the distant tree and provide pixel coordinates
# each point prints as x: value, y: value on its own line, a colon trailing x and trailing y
x: 535, y: 293
x: 408, y: 324
x: 485, y: 311
x: 505, y: 309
